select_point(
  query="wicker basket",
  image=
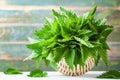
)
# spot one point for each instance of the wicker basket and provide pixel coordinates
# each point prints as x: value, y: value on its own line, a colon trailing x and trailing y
x: 78, y: 70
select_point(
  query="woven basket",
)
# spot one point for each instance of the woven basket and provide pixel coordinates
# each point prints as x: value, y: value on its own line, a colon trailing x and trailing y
x: 78, y: 70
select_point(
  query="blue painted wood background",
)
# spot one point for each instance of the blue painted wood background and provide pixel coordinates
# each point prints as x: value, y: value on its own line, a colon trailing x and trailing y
x: 20, y: 18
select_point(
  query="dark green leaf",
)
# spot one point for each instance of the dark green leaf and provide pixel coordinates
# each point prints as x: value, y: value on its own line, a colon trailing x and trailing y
x: 69, y: 57
x: 111, y: 74
x: 92, y: 12
x: 59, y: 52
x: 107, y: 31
x: 103, y: 54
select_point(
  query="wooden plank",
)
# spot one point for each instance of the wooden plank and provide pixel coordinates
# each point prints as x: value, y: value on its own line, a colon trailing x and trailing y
x: 13, y: 52
x: 113, y: 65
x: 3, y: 25
x: 18, y: 16
x: 114, y: 17
x: 50, y: 7
x: 115, y: 35
x: 61, y: 3
x: 38, y: 16
x: 22, y: 66
x: 16, y: 34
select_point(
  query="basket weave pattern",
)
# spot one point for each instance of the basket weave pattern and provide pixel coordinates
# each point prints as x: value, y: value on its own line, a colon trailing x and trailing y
x: 78, y: 70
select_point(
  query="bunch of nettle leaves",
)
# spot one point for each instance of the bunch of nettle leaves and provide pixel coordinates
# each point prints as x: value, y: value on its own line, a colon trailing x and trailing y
x: 71, y: 37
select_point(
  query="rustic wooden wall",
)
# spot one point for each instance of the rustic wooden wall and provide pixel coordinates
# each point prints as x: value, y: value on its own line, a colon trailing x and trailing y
x: 20, y: 18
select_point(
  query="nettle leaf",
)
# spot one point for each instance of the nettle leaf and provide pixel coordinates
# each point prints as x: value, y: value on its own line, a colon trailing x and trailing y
x: 103, y: 54
x: 37, y: 73
x: 38, y: 61
x: 34, y: 45
x: 111, y: 74
x: 34, y: 40
x: 12, y: 71
x: 101, y: 22
x: 86, y: 43
x: 84, y: 31
x: 92, y: 12
x: 85, y: 51
x: 55, y: 13
x: 95, y: 54
x: 82, y: 60
x: 59, y: 52
x: 32, y: 56
x: 92, y: 26
x: 69, y: 57
x: 47, y: 62
x: 106, y: 31
x: 43, y: 33
x: 45, y: 52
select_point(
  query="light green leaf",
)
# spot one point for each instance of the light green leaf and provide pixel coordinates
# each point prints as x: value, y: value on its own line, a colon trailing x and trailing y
x: 38, y: 61
x: 86, y: 43
x: 32, y: 56
x: 101, y: 22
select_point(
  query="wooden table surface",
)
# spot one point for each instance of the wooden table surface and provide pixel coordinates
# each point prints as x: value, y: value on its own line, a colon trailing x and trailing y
x: 52, y: 75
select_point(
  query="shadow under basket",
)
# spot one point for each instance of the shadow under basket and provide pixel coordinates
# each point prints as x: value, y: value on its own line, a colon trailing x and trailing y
x: 78, y: 70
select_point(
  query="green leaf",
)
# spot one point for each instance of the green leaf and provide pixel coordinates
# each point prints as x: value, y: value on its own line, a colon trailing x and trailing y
x: 86, y: 43
x: 32, y: 56
x: 107, y: 31
x: 85, y: 53
x: 37, y: 73
x: 64, y: 31
x: 82, y: 60
x: 103, y: 54
x: 34, y: 40
x: 50, y: 57
x: 92, y: 26
x: 12, y: 71
x: 92, y: 12
x: 105, y: 45
x: 55, y: 13
x: 47, y: 62
x: 84, y: 31
x: 101, y: 22
x: 111, y: 74
x: 53, y: 65
x: 38, y: 60
x: 95, y: 54
x: 69, y: 57
x: 59, y: 52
